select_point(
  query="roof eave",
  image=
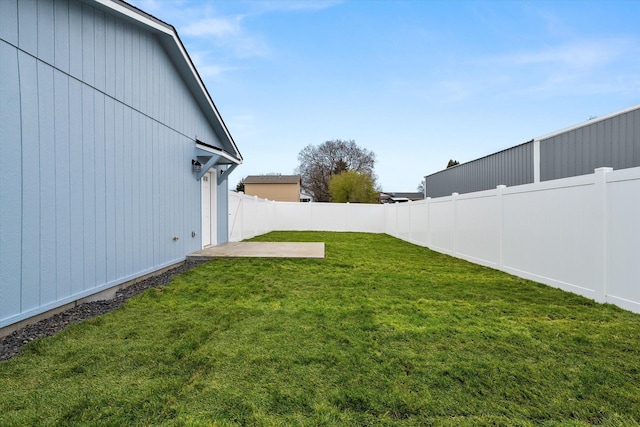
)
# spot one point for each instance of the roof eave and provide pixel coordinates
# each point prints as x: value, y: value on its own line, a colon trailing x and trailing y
x: 170, y: 39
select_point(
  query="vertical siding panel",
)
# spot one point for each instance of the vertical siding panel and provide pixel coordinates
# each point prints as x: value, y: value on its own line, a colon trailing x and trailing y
x: 175, y: 195
x: 601, y: 148
x: 28, y: 26
x: 88, y: 45
x: 89, y: 186
x: 110, y: 188
x: 161, y: 176
x: 135, y: 49
x: 608, y: 143
x: 47, y: 185
x: 75, y: 39
x: 618, y: 135
x: 76, y: 190
x: 119, y: 193
x: 30, y: 183
x: 149, y: 204
x: 9, y: 21
x: 572, y: 156
x: 110, y: 56
x: 150, y: 74
x: 623, y: 154
x: 45, y: 30
x: 10, y: 180
x: 126, y: 170
x: 156, y: 192
x: 135, y: 190
x: 128, y: 61
x: 61, y: 36
x: 142, y: 168
x: 222, y: 201
x: 583, y: 156
x: 100, y: 189
x: 543, y: 160
x: 119, y: 63
x: 633, y: 138
x: 63, y: 214
x: 593, y: 148
x: 100, y: 50
x: 157, y: 94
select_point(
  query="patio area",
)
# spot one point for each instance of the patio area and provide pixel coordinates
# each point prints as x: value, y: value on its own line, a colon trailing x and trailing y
x: 261, y: 250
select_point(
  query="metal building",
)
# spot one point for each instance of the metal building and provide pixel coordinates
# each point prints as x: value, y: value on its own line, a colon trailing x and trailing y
x: 113, y: 158
x: 608, y: 141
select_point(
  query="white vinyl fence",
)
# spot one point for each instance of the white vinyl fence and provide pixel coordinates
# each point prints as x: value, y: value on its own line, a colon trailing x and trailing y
x: 580, y: 234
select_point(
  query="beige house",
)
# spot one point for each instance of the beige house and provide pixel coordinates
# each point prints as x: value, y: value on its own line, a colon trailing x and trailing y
x: 282, y: 188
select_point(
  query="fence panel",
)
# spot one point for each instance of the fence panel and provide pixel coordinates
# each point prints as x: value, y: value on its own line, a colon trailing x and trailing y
x: 550, y: 234
x: 580, y: 234
x: 442, y: 224
x: 623, y: 233
x: 478, y: 227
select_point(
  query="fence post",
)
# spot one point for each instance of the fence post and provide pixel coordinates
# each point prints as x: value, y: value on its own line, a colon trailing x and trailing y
x: 428, y: 209
x: 499, y: 200
x: 601, y: 200
x: 454, y: 197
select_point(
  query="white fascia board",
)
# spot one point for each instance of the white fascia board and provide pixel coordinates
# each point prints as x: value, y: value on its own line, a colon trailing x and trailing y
x: 587, y: 123
x: 167, y: 29
x: 220, y: 153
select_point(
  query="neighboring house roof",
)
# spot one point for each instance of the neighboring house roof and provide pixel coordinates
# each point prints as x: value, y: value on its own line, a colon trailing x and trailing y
x: 272, y: 179
x: 401, y: 197
x: 413, y: 195
x: 168, y: 37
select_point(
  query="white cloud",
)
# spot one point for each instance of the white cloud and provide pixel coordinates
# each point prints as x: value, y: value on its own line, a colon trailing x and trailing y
x: 587, y: 53
x: 294, y: 5
x: 220, y: 27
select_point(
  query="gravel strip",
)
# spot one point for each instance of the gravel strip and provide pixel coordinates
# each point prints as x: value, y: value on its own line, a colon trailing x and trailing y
x: 11, y: 345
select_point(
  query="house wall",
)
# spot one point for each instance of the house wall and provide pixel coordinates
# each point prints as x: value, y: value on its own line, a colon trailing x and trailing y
x: 279, y: 192
x: 97, y: 136
x: 612, y: 142
x: 579, y: 234
x: 509, y: 167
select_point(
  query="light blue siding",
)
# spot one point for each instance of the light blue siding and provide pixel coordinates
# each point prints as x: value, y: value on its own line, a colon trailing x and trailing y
x: 75, y: 39
x: 62, y: 182
x: 46, y: 137
x: 222, y: 207
x: 27, y: 23
x: 100, y: 188
x: 75, y: 186
x: 30, y: 297
x: 46, y: 33
x: 98, y: 133
x: 9, y: 21
x: 61, y: 35
x: 10, y: 180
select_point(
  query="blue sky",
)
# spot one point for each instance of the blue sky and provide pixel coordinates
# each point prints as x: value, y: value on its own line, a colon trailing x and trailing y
x: 416, y: 82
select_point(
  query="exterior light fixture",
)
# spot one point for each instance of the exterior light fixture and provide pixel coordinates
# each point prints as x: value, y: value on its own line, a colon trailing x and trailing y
x: 196, y: 166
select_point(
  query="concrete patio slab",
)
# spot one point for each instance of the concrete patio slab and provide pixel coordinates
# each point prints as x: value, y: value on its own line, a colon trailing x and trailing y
x: 262, y: 250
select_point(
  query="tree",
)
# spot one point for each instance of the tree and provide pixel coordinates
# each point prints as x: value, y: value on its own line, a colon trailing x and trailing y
x: 319, y: 164
x: 240, y: 186
x: 353, y: 187
x: 452, y: 163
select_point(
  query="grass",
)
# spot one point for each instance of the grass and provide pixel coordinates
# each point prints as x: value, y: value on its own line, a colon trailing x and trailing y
x: 380, y: 332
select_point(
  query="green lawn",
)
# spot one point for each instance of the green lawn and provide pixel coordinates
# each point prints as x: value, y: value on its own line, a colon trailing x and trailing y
x: 380, y: 332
